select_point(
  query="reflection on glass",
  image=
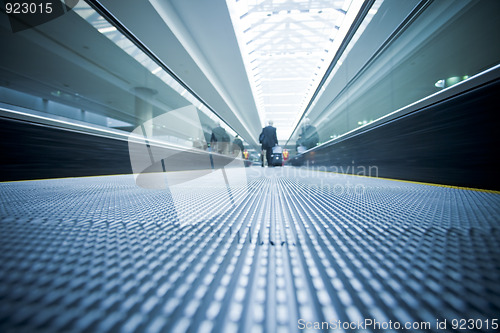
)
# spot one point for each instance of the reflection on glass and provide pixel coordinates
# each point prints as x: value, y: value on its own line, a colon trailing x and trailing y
x: 92, y: 74
x: 445, y: 45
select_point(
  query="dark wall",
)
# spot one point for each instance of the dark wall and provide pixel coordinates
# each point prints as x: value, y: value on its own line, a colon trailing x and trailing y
x: 454, y: 142
x: 34, y: 151
x: 37, y: 151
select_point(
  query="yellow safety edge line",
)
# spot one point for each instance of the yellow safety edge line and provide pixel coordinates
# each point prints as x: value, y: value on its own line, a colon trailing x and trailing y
x: 421, y: 183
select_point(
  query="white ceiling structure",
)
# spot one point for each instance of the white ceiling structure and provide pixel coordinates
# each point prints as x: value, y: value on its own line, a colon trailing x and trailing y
x: 250, y: 60
x: 287, y: 45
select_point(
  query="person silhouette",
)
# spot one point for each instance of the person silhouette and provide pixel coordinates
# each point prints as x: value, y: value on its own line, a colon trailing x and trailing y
x: 268, y: 139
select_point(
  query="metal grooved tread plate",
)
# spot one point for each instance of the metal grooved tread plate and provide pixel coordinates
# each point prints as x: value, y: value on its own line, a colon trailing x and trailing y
x: 289, y: 248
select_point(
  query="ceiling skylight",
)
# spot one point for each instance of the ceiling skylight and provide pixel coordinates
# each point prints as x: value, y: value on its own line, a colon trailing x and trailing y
x: 287, y: 45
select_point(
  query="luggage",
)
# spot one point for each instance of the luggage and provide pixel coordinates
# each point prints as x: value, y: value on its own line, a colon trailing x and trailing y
x: 277, y: 159
x: 277, y: 156
x: 297, y: 160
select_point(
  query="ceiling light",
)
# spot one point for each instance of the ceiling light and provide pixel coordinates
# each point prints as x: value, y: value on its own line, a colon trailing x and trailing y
x: 107, y: 29
x: 439, y: 84
x: 156, y: 70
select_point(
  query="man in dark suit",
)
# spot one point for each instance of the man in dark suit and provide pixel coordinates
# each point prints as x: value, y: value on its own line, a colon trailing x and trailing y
x: 268, y: 139
x: 309, y: 135
x: 237, y: 146
x: 219, y: 139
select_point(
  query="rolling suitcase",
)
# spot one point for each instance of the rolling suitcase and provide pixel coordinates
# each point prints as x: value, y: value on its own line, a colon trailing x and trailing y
x: 277, y: 156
